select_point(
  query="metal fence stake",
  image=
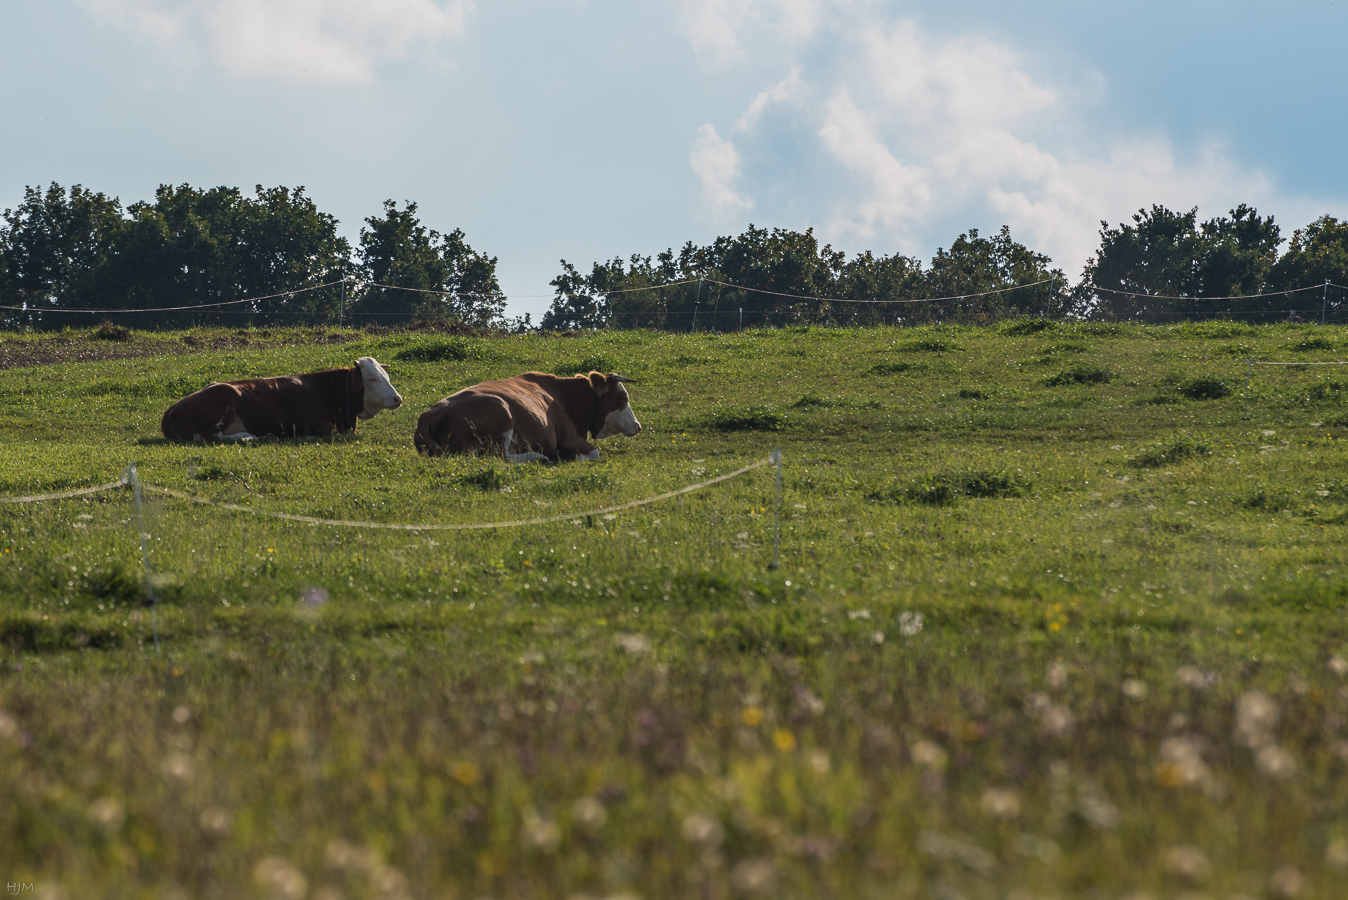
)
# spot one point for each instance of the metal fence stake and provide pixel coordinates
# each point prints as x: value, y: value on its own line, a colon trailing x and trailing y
x: 776, y: 459
x: 696, y: 304
x: 129, y: 476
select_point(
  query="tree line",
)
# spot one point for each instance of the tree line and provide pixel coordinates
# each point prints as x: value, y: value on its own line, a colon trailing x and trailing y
x: 1164, y: 266
x: 64, y: 251
x: 218, y: 256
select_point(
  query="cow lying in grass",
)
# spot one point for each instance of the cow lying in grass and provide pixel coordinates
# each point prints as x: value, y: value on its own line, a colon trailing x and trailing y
x: 530, y: 417
x: 313, y: 404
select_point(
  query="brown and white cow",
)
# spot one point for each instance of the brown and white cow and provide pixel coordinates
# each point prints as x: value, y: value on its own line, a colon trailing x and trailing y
x: 530, y: 417
x: 316, y: 403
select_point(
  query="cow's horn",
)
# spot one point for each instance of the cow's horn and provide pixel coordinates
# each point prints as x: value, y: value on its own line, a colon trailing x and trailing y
x: 614, y: 376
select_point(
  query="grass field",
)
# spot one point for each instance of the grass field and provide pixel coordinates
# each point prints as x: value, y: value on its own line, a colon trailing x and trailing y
x: 1061, y: 611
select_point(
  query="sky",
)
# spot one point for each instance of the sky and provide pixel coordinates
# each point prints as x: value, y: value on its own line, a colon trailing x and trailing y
x: 591, y: 129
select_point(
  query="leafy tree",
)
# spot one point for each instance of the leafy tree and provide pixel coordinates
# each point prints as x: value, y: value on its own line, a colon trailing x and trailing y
x: 782, y: 268
x: 575, y: 306
x: 774, y: 276
x: 1166, y: 265
x: 1316, y: 254
x: 779, y: 276
x: 975, y: 266
x: 174, y: 252
x: 52, y: 247
x: 413, y: 273
x: 1237, y: 255
x: 192, y: 247
x: 283, y: 243
x: 884, y: 278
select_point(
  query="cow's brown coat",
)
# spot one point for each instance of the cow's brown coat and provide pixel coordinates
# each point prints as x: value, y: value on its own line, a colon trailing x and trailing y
x: 315, y: 403
x: 543, y: 413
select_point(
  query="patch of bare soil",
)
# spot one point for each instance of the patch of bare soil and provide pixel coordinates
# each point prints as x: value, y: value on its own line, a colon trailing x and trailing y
x: 108, y: 341
x: 43, y: 350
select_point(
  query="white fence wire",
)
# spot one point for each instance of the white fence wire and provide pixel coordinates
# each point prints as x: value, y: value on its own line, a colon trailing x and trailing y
x: 357, y: 284
x: 126, y: 481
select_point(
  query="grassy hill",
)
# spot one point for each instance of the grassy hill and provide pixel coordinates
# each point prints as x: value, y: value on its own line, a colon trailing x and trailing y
x: 1059, y: 608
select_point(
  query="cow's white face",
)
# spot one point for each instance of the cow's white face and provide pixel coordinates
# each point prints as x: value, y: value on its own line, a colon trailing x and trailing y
x: 621, y: 420
x: 379, y: 392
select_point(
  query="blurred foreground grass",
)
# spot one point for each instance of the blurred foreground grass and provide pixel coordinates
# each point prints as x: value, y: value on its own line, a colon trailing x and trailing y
x: 329, y: 752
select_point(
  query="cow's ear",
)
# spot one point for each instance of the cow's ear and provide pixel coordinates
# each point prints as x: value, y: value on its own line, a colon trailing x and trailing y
x: 598, y: 382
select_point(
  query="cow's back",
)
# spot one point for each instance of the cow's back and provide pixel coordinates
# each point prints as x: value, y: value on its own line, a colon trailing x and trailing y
x: 201, y: 413
x: 316, y: 403
x: 533, y: 412
x: 466, y: 421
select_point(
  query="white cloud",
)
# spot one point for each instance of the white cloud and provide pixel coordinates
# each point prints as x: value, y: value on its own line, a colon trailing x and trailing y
x: 899, y: 193
x: 948, y: 85
x: 715, y: 162
x: 905, y: 130
x: 786, y: 91
x: 717, y: 28
x: 317, y: 41
x: 1062, y: 209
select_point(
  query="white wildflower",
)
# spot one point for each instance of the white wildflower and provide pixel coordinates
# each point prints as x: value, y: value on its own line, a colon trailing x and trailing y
x: 703, y: 830
x: 179, y: 767
x: 632, y: 644
x: 1056, y: 675
x: 929, y: 755
x: 589, y: 813
x: 1256, y: 715
x: 754, y: 877
x: 1193, y: 677
x: 1288, y: 882
x: 278, y: 878
x: 108, y: 814
x: 1000, y: 803
x: 1182, y: 762
x: 539, y: 833
x: 1188, y: 862
x: 1274, y: 762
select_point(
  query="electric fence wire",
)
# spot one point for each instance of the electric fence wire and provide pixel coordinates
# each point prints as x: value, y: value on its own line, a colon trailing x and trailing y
x: 219, y: 305
x: 129, y: 480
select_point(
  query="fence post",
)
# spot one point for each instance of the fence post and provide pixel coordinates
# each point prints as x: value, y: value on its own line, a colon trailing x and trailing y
x: 129, y: 476
x: 697, y: 303
x: 1324, y: 300
x: 341, y: 314
x: 1249, y: 378
x: 776, y: 458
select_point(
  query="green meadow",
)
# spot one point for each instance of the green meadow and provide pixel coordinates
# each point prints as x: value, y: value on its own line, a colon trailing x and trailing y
x: 1041, y: 611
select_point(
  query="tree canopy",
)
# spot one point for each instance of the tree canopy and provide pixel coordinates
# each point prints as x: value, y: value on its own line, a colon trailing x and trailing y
x: 783, y: 277
x: 272, y: 257
x: 220, y: 256
x: 1167, y: 266
x: 409, y: 272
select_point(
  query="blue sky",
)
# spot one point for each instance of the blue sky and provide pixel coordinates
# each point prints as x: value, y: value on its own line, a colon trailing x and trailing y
x: 588, y: 129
